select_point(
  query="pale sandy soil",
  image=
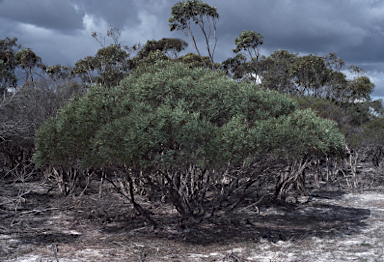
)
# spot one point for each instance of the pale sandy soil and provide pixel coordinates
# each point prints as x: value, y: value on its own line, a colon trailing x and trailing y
x: 330, y: 226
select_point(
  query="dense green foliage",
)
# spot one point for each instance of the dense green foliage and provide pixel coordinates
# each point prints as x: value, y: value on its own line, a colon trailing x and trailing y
x: 194, y: 60
x: 167, y: 114
x: 275, y: 71
x: 169, y: 46
x: 250, y: 42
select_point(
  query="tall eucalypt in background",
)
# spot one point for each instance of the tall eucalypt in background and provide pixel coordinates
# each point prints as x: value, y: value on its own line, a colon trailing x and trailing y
x: 248, y: 45
x: 250, y: 42
x: 29, y: 62
x: 169, y: 46
x: 185, y: 14
x: 110, y: 64
x: 203, y: 139
x: 8, y: 64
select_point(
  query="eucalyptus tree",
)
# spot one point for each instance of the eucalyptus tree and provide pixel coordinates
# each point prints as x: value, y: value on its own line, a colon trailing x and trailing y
x: 250, y: 43
x: 274, y: 71
x: 8, y: 63
x: 169, y: 46
x: 246, y: 64
x: 310, y: 75
x: 113, y: 64
x: 193, y: 60
x: 203, y: 139
x: 236, y: 67
x: 29, y: 62
x: 158, y: 49
x: 58, y: 72
x: 360, y: 87
x: 108, y: 67
x: 370, y: 142
x: 85, y: 70
x: 186, y: 14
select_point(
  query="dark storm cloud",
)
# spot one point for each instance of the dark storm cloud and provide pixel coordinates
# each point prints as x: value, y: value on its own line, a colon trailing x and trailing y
x: 298, y: 26
x: 304, y: 26
x: 352, y: 28
x: 49, y: 14
x: 60, y: 31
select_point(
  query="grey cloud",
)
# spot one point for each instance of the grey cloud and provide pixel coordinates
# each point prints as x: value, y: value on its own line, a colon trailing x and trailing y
x: 303, y: 26
x: 115, y: 13
x: 49, y: 14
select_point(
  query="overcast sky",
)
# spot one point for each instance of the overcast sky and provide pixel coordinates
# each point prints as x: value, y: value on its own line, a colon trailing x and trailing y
x: 59, y: 31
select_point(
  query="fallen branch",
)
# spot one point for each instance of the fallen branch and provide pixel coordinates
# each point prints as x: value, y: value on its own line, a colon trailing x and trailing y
x: 15, y: 199
x: 54, y: 249
x: 38, y: 211
x: 254, y: 204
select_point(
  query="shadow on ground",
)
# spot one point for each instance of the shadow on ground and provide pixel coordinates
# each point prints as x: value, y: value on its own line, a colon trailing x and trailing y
x: 274, y: 223
x: 47, y: 238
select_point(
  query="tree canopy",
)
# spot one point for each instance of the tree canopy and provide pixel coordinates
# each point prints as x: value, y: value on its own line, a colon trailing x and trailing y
x: 190, y: 12
x: 169, y: 46
x: 8, y: 63
x: 29, y: 62
x: 111, y: 64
